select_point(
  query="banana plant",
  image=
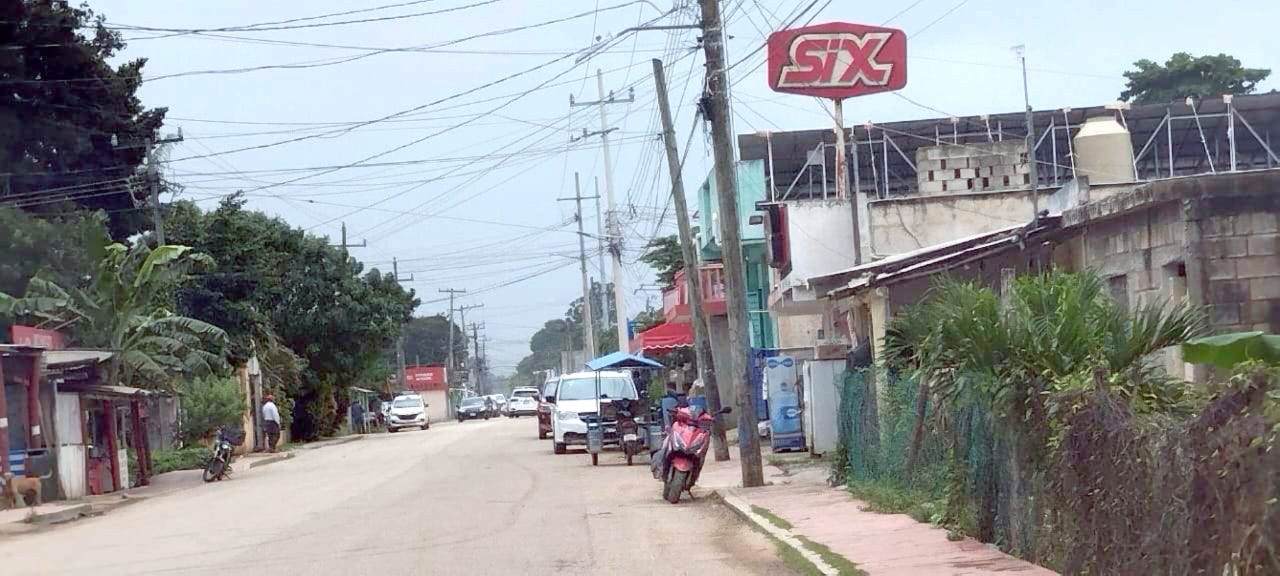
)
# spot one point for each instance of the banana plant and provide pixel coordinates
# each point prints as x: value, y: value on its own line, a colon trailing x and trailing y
x: 128, y: 309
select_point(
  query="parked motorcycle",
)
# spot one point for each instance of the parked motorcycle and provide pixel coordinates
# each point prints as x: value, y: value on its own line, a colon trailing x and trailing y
x: 219, y: 464
x: 629, y: 438
x: 684, y: 450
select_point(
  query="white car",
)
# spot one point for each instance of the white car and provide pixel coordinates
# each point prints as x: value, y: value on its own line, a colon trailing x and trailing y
x: 407, y: 411
x: 523, y: 402
x: 576, y: 400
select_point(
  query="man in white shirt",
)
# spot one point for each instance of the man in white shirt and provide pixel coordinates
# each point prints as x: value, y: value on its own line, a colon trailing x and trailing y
x: 271, y: 418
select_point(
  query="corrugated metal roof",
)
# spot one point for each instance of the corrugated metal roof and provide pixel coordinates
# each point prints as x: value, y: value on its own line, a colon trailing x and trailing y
x: 55, y: 358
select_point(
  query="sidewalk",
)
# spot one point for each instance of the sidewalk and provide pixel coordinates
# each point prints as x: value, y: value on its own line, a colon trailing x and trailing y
x: 880, y: 544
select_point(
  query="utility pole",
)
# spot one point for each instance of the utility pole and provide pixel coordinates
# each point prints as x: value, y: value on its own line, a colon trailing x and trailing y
x: 1021, y: 50
x: 614, y: 228
x: 693, y: 280
x: 463, y: 310
x: 452, y: 363
x: 474, y: 368
x: 842, y: 180
x: 153, y: 178
x: 588, y: 326
x: 395, y: 271
x: 717, y: 111
x: 604, y: 282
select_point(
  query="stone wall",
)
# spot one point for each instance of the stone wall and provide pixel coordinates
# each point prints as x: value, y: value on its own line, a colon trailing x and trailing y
x: 904, y: 224
x: 986, y: 166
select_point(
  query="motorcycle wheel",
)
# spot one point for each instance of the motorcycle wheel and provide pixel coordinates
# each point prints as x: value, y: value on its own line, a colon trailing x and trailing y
x: 213, y: 470
x: 628, y: 458
x: 675, y: 485
x: 595, y: 459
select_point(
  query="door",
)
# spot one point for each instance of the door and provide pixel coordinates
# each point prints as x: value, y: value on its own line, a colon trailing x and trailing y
x: 71, y: 454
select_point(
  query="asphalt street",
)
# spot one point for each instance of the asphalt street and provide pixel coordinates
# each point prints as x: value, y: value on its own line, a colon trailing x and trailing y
x: 482, y: 497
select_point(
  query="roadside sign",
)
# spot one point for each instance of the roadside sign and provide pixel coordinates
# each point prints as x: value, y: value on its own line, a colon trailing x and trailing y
x: 837, y: 60
x: 32, y: 336
x: 421, y: 378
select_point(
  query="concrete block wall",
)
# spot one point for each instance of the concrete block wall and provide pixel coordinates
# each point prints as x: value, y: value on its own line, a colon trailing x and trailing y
x: 1142, y: 251
x: 1242, y: 253
x: 980, y: 167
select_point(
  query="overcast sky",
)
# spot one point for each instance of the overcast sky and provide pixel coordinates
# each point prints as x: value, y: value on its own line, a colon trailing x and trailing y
x: 461, y: 183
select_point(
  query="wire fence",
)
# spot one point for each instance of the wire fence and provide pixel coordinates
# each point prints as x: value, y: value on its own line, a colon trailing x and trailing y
x: 1086, y: 487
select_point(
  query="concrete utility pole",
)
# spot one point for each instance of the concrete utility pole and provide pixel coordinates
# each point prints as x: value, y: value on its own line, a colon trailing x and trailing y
x: 1020, y: 50
x: 395, y: 271
x: 842, y: 180
x: 614, y: 227
x: 448, y: 378
x: 717, y: 111
x: 463, y: 310
x: 604, y: 281
x: 588, y: 326
x: 474, y: 367
x: 693, y: 280
x: 153, y: 177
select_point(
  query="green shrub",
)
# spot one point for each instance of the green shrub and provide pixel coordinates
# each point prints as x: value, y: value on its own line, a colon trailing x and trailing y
x: 207, y: 404
x: 188, y: 458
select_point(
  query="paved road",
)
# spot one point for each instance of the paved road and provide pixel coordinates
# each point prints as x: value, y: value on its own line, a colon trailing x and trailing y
x: 473, y: 498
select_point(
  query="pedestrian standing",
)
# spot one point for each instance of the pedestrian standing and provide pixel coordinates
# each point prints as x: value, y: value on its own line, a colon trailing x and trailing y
x: 271, y: 419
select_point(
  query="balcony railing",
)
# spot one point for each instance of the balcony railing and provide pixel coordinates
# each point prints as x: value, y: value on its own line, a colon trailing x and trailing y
x: 675, y: 302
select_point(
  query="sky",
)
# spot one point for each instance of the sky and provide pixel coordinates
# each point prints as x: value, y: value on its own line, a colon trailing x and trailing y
x: 443, y: 138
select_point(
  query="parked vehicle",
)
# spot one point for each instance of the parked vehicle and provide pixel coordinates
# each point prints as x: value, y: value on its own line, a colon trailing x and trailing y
x: 547, y: 406
x: 630, y: 421
x: 523, y: 402
x: 684, y: 450
x: 408, y: 411
x: 474, y: 407
x: 499, y: 403
x: 218, y: 466
x: 576, y: 406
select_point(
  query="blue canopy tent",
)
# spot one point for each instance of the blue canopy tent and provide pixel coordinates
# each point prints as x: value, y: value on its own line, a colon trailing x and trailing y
x: 613, y: 361
x: 620, y: 359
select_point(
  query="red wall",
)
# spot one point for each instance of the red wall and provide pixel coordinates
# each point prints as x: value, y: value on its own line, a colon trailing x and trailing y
x: 429, y: 377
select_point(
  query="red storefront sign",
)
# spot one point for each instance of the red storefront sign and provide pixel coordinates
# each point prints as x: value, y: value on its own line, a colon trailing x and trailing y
x: 837, y: 60
x: 422, y: 378
x: 32, y: 336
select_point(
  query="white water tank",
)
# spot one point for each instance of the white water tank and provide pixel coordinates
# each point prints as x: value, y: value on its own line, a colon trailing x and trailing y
x: 1104, y: 151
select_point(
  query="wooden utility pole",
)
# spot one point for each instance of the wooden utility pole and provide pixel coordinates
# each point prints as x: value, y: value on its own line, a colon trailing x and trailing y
x: 463, y: 311
x: 717, y: 111
x: 588, y: 325
x: 693, y: 280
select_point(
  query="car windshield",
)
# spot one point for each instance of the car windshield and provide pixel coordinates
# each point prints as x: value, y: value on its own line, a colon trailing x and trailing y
x: 524, y: 394
x: 585, y: 388
x: 406, y: 403
x: 473, y: 402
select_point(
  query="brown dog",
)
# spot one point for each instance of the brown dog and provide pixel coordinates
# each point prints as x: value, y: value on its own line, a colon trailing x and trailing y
x: 16, y: 487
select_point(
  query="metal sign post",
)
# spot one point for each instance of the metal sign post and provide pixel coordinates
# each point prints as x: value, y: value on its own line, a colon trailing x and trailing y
x: 838, y: 60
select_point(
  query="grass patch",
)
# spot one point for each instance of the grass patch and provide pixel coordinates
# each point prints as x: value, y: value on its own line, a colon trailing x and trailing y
x: 842, y: 565
x: 771, y: 517
x: 188, y: 458
x: 892, y: 498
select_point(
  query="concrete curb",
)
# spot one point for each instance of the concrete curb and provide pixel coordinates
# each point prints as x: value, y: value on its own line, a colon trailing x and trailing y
x: 743, y: 509
x: 64, y: 515
x: 280, y: 457
x: 334, y: 442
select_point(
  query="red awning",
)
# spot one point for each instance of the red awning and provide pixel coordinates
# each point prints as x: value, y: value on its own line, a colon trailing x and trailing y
x: 663, y: 338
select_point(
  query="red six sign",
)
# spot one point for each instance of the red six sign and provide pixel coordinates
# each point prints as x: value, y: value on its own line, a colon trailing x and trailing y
x: 837, y: 60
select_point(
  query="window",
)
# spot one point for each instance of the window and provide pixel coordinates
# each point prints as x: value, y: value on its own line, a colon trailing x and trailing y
x: 585, y: 388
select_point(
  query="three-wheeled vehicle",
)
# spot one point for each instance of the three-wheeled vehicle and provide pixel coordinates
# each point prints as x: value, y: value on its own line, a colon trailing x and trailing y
x: 624, y: 418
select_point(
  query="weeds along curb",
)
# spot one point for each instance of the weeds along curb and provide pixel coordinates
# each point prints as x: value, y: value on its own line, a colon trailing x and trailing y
x: 743, y: 509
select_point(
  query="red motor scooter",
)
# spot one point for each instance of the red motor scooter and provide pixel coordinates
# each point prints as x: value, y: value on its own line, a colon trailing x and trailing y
x: 683, y: 451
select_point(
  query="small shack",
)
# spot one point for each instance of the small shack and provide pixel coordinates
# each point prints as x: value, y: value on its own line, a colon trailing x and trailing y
x: 64, y: 424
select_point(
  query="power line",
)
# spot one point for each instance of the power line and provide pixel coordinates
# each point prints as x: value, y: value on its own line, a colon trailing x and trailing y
x: 267, y: 28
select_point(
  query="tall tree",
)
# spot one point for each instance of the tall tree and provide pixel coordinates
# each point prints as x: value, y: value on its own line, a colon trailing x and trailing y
x: 665, y: 257
x: 61, y: 104
x: 1186, y: 75
x: 64, y: 249
x: 426, y: 340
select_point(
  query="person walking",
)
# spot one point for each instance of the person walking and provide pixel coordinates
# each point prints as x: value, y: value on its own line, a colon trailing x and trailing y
x: 271, y: 419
